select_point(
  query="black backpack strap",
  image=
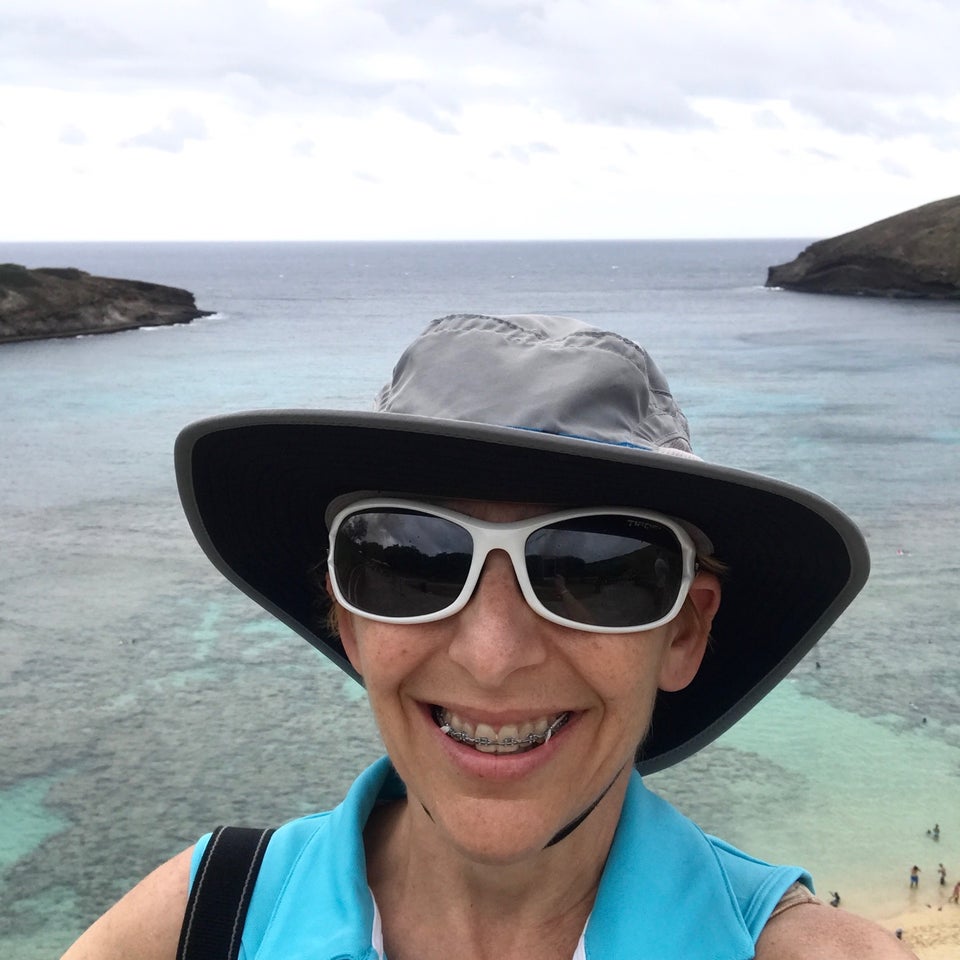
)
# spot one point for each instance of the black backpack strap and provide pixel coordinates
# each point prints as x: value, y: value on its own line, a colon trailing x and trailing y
x: 217, y: 906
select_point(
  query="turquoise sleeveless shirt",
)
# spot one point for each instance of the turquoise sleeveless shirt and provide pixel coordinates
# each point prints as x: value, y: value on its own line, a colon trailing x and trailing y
x: 668, y: 891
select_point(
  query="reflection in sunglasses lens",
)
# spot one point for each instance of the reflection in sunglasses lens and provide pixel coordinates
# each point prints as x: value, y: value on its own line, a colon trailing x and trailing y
x: 608, y: 571
x: 399, y: 563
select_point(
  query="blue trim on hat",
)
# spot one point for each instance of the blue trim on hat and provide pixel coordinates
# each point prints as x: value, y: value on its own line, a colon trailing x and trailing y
x: 576, y: 436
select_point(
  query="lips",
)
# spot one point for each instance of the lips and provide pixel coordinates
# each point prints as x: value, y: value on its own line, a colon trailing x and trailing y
x: 509, y: 738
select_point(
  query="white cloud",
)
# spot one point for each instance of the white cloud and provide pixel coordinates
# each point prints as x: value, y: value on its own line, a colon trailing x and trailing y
x: 894, y: 168
x: 484, y: 117
x: 523, y: 152
x: 72, y: 135
x: 172, y: 136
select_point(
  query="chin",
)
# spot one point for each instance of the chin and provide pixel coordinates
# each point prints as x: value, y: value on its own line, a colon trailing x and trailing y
x: 499, y: 832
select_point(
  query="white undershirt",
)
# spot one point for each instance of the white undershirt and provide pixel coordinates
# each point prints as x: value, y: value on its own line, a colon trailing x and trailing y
x: 376, y: 936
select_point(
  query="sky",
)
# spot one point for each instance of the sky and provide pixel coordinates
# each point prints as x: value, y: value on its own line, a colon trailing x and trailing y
x: 472, y: 119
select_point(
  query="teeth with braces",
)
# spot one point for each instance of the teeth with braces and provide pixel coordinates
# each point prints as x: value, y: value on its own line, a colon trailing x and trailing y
x: 530, y: 740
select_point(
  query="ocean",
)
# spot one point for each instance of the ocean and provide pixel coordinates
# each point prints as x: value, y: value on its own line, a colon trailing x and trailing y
x: 144, y: 700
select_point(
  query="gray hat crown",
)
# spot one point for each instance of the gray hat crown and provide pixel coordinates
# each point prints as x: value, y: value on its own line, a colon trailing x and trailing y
x: 551, y: 374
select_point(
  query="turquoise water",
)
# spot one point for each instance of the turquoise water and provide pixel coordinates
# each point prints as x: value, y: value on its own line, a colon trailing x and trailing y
x: 847, y: 797
x: 143, y: 700
x: 30, y: 822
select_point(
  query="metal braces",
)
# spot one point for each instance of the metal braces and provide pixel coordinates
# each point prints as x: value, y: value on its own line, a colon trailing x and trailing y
x: 530, y: 740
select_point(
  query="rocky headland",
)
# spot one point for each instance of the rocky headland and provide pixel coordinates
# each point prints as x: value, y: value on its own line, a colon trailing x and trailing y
x: 912, y: 254
x: 66, y: 302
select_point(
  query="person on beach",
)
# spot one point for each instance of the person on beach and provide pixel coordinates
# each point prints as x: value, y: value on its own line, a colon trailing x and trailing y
x: 914, y: 876
x: 955, y: 896
x: 546, y: 594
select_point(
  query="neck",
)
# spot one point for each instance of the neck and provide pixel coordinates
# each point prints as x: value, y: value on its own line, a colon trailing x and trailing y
x: 475, y: 906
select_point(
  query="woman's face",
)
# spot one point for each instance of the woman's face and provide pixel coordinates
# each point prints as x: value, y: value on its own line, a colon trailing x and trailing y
x: 497, y: 670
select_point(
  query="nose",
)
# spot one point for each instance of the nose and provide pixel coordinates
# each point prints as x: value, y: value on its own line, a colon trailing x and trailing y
x: 497, y: 633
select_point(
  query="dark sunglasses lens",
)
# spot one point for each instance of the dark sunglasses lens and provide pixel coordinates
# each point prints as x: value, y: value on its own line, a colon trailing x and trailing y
x: 400, y: 563
x: 607, y: 571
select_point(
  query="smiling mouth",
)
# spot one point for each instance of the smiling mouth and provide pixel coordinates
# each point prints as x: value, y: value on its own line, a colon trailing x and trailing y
x: 510, y: 738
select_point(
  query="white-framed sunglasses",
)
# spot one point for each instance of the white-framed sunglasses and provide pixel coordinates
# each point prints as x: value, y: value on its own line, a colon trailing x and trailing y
x: 600, y: 569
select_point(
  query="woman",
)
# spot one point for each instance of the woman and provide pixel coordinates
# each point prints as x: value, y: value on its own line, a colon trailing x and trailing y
x: 524, y: 569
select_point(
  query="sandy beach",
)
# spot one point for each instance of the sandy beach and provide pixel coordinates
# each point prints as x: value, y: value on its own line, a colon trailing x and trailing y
x: 931, y: 928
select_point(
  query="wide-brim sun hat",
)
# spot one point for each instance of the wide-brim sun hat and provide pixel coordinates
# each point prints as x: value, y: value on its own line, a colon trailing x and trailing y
x: 528, y: 409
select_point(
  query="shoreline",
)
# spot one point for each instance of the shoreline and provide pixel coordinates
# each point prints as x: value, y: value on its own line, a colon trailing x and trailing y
x: 93, y: 331
x: 930, y: 924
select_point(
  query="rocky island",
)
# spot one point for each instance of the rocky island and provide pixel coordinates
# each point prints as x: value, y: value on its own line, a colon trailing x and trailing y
x: 66, y: 302
x: 912, y: 254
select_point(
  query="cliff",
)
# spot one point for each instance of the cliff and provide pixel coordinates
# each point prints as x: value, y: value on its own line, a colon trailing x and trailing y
x: 912, y: 254
x: 64, y: 302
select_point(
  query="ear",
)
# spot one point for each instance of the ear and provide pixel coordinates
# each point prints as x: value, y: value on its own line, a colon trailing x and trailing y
x: 345, y: 627
x: 685, y: 650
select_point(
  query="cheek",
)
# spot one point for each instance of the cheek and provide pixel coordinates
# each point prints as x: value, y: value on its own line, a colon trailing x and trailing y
x: 624, y: 670
x: 383, y: 653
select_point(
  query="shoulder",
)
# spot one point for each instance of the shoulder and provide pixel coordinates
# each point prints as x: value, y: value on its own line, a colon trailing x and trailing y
x: 145, y: 924
x: 810, y: 930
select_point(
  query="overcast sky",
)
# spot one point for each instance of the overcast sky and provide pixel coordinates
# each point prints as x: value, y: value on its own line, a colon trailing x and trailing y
x: 448, y: 119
